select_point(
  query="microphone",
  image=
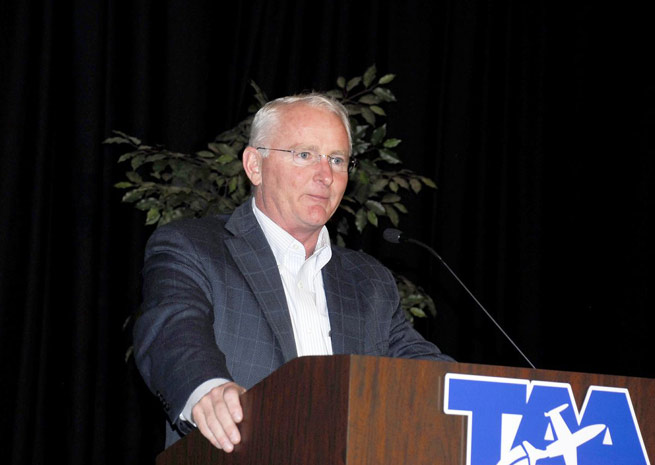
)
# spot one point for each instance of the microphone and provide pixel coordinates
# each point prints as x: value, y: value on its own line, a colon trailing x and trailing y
x: 396, y: 236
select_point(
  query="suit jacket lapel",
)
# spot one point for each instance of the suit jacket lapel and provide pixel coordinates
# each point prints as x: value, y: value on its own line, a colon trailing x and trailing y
x: 346, y: 321
x: 254, y: 257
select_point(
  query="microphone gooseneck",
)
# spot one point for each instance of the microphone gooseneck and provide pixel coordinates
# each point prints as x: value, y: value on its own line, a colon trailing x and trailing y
x: 396, y: 236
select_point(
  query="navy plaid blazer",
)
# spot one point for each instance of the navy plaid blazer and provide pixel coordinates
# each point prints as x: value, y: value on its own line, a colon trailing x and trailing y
x: 214, y: 307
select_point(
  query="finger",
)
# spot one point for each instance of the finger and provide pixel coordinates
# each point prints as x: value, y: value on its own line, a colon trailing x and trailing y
x: 233, y: 402
x: 225, y: 403
x: 203, y: 426
x: 223, y: 428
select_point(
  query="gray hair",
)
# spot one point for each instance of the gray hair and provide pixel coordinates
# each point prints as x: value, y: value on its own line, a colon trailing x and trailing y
x: 267, y: 118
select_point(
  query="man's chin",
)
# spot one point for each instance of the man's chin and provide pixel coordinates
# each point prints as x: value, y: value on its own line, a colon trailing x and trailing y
x: 317, y: 216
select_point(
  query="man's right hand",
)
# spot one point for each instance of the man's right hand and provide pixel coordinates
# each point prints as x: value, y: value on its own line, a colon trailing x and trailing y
x: 217, y: 415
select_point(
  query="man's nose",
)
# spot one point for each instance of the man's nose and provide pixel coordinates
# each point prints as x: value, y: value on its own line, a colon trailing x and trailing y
x: 324, y: 171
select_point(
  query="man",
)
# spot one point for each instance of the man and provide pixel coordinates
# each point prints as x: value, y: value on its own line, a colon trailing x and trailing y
x: 229, y: 300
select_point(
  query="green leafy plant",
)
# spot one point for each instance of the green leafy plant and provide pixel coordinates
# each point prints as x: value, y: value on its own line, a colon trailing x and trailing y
x: 169, y: 185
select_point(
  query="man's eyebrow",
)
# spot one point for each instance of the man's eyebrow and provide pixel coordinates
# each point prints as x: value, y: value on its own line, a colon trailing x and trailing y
x: 314, y: 148
x: 299, y: 147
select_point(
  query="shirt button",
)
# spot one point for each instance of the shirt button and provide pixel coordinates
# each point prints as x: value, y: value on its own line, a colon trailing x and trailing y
x: 300, y: 285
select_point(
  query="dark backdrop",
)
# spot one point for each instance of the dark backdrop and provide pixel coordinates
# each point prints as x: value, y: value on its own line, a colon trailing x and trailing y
x: 536, y: 121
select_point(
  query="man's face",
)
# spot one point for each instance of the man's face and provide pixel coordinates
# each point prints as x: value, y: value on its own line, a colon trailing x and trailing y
x: 301, y: 199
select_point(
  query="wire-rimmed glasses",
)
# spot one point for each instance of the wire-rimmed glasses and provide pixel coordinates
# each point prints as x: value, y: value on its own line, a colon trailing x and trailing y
x: 308, y: 157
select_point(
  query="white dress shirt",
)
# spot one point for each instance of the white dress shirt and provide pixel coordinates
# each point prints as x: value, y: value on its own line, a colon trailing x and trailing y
x: 303, y: 285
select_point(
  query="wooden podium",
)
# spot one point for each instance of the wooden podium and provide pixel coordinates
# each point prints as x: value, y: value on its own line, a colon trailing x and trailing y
x: 355, y: 410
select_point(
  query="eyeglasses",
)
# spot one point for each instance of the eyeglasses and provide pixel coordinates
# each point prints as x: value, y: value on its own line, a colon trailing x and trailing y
x: 340, y: 163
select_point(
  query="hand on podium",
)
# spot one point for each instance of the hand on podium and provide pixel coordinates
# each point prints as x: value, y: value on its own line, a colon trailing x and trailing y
x: 217, y: 415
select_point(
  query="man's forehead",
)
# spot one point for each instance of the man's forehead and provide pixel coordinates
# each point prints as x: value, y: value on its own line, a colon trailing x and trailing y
x: 303, y: 119
x: 301, y: 110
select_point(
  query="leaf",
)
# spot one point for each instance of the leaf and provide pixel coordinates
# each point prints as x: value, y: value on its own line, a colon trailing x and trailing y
x: 224, y: 159
x: 378, y: 110
x: 386, y: 79
x: 133, y: 140
x: 132, y: 196
x: 137, y: 161
x: 354, y: 109
x: 341, y: 82
x: 128, y: 353
x: 232, y: 168
x: 359, y: 130
x: 379, y: 184
x: 158, y: 166
x: 148, y: 203
x: 354, y: 82
x: 391, y: 198
x: 375, y: 206
x: 226, y: 149
x: 389, y: 156
x: 360, y: 147
x: 362, y: 177
x: 391, y: 143
x: 116, y: 140
x: 156, y: 157
x: 369, y: 99
x: 393, y: 186
x: 134, y: 177
x: 400, y: 207
x: 206, y: 154
x: 123, y: 185
x: 347, y: 208
x: 334, y: 93
x: 392, y: 214
x: 417, y: 312
x: 428, y: 182
x: 379, y: 134
x: 232, y: 186
x: 369, y: 75
x: 360, y: 219
x: 368, y: 115
x: 385, y: 94
x: 416, y: 185
x: 402, y: 182
x: 153, y: 216
x: 127, y: 156
x: 372, y: 218
x: 260, y: 96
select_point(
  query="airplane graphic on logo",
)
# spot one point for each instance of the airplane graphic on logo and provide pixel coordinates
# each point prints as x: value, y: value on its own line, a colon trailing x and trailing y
x: 521, y: 422
x: 565, y: 446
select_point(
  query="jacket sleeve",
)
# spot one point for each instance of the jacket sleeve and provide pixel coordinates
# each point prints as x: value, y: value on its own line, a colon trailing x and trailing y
x: 174, y: 343
x: 406, y: 342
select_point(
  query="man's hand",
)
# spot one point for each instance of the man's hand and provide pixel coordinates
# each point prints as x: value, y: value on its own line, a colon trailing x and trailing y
x: 217, y: 415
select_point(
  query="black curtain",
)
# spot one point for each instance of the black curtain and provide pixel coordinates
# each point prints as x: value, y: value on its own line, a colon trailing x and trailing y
x: 535, y: 119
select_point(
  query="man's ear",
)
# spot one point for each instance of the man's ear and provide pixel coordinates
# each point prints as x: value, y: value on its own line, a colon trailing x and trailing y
x: 252, y: 165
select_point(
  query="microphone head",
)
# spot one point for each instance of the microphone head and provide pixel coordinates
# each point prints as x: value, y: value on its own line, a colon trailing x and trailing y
x: 393, y: 235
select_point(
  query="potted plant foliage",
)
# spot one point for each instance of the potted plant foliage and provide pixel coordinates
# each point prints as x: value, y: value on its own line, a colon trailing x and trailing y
x: 169, y: 185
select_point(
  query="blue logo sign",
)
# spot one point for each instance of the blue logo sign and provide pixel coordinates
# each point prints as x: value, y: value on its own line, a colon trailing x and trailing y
x: 519, y: 422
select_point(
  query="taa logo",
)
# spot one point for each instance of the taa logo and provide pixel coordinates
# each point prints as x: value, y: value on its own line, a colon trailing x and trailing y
x: 518, y: 422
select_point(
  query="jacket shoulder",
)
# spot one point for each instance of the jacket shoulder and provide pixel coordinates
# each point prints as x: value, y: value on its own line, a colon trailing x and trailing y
x: 360, y: 263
